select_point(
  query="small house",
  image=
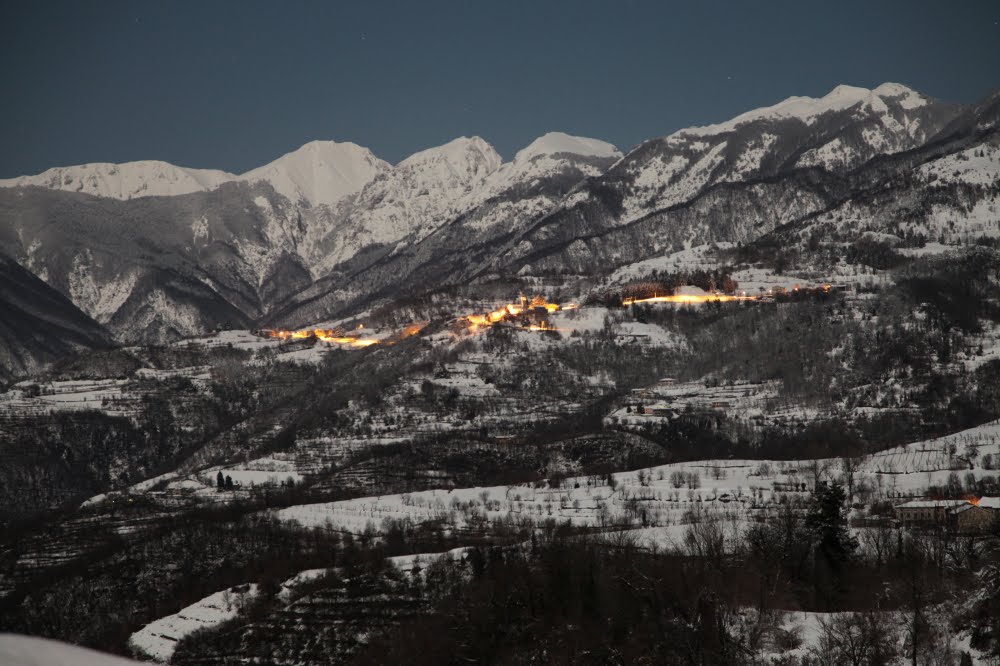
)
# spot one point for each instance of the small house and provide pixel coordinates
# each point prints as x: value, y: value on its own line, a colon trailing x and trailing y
x: 977, y: 515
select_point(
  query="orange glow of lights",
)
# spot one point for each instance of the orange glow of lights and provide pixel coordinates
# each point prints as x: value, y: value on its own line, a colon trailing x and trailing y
x: 329, y: 335
x: 689, y: 299
x: 511, y: 310
x: 412, y: 330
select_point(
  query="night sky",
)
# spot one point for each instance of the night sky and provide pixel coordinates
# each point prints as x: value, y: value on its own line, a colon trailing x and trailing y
x: 232, y: 85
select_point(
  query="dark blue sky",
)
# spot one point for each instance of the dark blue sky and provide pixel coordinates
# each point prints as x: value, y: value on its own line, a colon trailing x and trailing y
x: 232, y: 85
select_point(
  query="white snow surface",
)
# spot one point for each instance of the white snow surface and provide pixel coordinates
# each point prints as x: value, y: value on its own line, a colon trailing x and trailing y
x: 18, y: 650
x: 554, y: 143
x: 320, y: 172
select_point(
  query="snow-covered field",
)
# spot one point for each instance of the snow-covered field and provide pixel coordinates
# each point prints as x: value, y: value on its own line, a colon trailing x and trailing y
x: 410, y: 563
x: 751, y: 402
x: 666, y: 495
x: 260, y: 472
x: 697, y: 257
x: 101, y: 394
x: 158, y: 639
x: 752, y: 280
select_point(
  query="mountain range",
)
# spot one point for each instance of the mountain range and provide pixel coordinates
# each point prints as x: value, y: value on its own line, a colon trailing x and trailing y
x: 149, y: 252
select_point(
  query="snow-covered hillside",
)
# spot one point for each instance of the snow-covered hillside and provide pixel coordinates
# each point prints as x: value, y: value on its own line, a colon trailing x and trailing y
x: 668, y: 493
x: 159, y: 638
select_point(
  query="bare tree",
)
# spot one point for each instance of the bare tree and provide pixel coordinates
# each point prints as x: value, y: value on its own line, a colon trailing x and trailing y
x: 705, y: 538
x: 878, y: 541
x: 857, y: 639
x: 849, y: 468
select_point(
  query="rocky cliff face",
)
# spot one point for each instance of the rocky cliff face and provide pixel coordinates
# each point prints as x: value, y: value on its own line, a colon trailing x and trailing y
x: 156, y: 268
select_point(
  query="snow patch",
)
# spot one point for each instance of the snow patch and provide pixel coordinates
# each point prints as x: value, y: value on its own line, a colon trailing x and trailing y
x: 17, y: 650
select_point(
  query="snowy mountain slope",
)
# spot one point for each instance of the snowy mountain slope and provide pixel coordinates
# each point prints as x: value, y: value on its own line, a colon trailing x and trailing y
x: 320, y: 172
x: 154, y: 268
x: 419, y: 193
x: 979, y: 165
x: 544, y: 158
x: 731, y: 182
x: 839, y: 131
x: 946, y: 192
x: 125, y: 181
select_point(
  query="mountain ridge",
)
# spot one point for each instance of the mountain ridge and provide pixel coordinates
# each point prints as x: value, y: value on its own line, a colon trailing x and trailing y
x: 257, y: 250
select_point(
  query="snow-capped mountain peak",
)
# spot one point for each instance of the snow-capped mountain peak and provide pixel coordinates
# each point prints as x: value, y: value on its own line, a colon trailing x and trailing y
x: 412, y: 198
x: 320, y: 172
x: 555, y: 143
x: 458, y: 153
x: 908, y: 98
x: 125, y: 181
x: 543, y: 158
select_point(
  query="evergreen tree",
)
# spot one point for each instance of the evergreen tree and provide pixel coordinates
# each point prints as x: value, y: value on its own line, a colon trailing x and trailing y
x: 220, y: 481
x: 827, y: 520
x: 229, y: 482
x: 478, y: 562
